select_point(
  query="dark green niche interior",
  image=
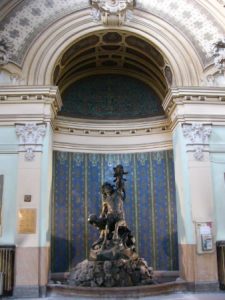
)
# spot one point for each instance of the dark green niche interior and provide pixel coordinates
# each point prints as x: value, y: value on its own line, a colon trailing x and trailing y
x: 110, y: 97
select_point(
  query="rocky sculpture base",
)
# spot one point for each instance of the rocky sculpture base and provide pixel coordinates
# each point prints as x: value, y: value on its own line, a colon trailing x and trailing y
x: 115, y: 273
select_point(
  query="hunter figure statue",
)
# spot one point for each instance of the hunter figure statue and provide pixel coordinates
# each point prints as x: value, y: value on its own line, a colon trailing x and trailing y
x: 113, y: 260
x: 115, y: 239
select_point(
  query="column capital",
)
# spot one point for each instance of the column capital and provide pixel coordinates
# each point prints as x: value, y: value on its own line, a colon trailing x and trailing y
x: 30, y: 138
x: 197, y: 135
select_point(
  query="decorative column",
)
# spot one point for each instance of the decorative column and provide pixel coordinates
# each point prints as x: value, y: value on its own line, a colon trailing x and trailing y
x: 29, y: 113
x: 193, y: 113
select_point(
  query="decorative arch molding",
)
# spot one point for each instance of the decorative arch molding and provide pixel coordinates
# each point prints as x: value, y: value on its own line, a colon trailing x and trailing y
x: 178, y: 52
x: 200, y: 20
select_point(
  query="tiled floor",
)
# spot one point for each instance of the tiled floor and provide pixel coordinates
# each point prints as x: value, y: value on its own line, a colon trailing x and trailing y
x: 189, y: 296
x: 177, y: 296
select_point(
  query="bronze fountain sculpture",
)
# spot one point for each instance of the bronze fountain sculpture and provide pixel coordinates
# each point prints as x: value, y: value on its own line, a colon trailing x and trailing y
x: 113, y: 260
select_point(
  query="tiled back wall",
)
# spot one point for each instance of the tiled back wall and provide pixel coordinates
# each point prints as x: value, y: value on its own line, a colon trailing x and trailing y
x: 150, y: 207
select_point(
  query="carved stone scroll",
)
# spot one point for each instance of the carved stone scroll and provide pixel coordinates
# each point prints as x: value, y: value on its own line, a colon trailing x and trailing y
x: 5, y: 50
x: 112, y: 12
x: 218, y: 53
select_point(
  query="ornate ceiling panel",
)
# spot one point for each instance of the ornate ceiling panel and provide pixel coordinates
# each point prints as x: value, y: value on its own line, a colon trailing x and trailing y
x: 111, y: 52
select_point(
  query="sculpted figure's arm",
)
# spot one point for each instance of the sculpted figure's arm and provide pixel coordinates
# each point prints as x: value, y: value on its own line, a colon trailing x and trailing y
x: 104, y: 209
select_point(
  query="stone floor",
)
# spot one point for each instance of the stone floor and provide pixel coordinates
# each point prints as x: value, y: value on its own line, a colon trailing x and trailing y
x: 177, y: 296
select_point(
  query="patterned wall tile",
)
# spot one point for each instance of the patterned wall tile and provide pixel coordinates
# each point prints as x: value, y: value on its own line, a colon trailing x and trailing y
x: 110, y: 96
x: 150, y: 205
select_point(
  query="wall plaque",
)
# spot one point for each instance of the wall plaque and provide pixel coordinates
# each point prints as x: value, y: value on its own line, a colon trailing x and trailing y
x: 205, y: 237
x: 27, y: 198
x: 27, y: 220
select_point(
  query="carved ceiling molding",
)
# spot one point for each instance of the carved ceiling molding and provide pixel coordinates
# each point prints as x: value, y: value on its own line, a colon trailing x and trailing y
x: 214, y: 79
x: 197, y: 136
x: 8, y: 78
x: 112, y: 12
x: 30, y: 138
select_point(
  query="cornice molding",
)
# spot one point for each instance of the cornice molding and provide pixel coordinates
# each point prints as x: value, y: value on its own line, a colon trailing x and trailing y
x: 111, y: 128
x: 31, y: 91
x: 193, y: 95
x: 111, y: 137
x: 21, y: 95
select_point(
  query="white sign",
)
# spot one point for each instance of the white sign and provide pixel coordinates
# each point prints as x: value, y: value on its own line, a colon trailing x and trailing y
x: 205, y: 229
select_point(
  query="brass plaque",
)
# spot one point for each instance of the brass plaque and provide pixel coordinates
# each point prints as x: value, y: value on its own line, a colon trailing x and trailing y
x: 27, y: 220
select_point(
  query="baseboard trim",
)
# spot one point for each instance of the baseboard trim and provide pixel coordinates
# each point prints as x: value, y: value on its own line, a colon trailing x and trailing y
x: 203, y: 286
x: 29, y: 291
